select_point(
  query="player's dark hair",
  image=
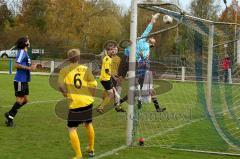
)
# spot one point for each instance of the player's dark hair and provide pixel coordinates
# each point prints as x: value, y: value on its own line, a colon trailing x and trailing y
x: 110, y: 44
x: 150, y: 37
x: 21, y: 43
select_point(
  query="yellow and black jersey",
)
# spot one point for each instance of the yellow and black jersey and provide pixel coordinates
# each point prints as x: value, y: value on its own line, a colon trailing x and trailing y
x: 106, y: 65
x: 78, y: 80
x: 116, y: 60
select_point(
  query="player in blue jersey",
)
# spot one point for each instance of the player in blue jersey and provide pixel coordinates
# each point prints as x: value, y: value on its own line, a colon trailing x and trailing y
x: 21, y: 79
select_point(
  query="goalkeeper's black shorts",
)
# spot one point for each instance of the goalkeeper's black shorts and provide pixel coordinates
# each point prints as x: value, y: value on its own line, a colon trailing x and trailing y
x: 79, y: 116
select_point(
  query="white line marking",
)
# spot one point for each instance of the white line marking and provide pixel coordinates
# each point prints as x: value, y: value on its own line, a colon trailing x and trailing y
x: 36, y: 102
x: 32, y: 73
x: 109, y: 153
x: 173, y: 129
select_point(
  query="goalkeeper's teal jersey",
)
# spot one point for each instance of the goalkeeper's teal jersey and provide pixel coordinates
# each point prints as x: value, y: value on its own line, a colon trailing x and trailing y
x: 142, y: 45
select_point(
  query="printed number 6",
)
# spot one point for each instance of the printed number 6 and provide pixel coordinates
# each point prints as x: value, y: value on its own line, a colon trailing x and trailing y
x: 77, y: 81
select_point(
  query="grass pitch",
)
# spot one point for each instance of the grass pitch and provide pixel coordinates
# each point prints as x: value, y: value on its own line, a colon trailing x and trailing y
x: 40, y: 134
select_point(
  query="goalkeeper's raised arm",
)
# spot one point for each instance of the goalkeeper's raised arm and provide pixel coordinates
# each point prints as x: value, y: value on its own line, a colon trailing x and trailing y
x: 150, y: 26
x: 145, y: 43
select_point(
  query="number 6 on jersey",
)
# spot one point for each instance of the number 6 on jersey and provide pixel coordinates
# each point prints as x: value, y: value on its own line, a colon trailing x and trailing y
x: 77, y: 81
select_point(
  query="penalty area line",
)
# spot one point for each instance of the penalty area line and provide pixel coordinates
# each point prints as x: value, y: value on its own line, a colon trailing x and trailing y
x: 31, y: 103
x: 113, y: 151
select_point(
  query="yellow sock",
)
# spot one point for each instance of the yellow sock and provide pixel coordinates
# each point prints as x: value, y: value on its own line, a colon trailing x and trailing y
x: 75, y: 143
x: 91, y: 136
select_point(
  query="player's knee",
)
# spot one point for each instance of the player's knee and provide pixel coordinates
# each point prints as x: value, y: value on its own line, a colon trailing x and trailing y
x: 111, y: 93
x: 20, y: 100
x: 71, y: 129
x: 25, y: 100
x: 87, y: 125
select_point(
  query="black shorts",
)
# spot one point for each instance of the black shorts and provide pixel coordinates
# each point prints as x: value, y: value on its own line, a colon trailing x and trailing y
x: 107, y: 85
x: 21, y: 89
x: 79, y: 116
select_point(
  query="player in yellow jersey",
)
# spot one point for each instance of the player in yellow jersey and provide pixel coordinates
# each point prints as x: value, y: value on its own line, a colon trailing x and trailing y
x: 77, y: 84
x: 106, y: 78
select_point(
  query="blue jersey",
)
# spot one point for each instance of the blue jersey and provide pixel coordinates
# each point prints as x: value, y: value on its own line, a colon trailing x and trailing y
x: 24, y: 60
x: 143, y: 46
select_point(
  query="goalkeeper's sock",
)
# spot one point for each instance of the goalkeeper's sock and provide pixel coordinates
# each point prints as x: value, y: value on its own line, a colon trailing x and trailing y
x: 14, y: 110
x: 75, y: 142
x: 156, y: 104
x: 91, y: 136
x: 139, y: 104
x: 124, y: 99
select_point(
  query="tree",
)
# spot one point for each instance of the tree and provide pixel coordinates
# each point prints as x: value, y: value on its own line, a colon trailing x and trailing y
x: 5, y: 16
x: 206, y: 9
x: 34, y: 13
x: 59, y: 25
x: 228, y: 31
x: 85, y: 24
x: 228, y: 15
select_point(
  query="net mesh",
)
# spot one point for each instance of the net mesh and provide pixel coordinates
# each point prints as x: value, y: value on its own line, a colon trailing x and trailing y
x: 189, y: 122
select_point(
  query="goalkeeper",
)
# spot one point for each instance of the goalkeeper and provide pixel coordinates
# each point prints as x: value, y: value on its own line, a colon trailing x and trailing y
x: 144, y: 44
x: 142, y: 58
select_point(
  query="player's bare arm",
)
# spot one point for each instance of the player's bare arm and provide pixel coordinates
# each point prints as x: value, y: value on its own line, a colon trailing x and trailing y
x: 30, y: 68
x: 63, y: 90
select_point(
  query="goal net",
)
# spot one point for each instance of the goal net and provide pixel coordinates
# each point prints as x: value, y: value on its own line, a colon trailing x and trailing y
x: 201, y: 76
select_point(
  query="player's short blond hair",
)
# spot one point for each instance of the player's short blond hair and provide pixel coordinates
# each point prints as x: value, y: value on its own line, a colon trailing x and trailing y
x: 73, y: 55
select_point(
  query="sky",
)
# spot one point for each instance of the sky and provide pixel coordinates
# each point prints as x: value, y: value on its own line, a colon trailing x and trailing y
x: 127, y: 3
x: 183, y: 3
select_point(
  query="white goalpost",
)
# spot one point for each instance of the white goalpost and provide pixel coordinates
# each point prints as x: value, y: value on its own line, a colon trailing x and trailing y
x: 212, y: 100
x: 132, y: 60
